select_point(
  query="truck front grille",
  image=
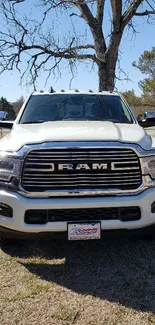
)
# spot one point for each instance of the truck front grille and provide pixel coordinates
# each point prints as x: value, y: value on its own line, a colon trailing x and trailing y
x: 81, y: 168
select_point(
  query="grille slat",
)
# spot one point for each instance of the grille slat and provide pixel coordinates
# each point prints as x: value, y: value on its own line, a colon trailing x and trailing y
x: 122, y: 169
x: 50, y: 170
x: 76, y: 155
x: 50, y: 182
x: 86, y: 159
x: 82, y: 174
x: 47, y: 163
x: 74, y: 178
x: 59, y: 152
x: 85, y: 155
x: 85, y: 185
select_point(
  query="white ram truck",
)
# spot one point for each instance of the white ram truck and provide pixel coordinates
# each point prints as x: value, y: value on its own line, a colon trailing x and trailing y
x: 76, y: 164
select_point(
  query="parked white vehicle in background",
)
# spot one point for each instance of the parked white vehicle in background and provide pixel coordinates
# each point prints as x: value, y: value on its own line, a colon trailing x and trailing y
x: 3, y: 115
x: 76, y: 163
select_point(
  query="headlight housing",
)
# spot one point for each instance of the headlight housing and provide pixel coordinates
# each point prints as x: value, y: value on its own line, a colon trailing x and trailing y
x: 151, y: 166
x: 10, y: 166
x: 148, y: 166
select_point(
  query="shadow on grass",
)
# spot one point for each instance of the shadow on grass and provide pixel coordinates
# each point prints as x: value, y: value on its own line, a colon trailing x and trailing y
x: 118, y: 270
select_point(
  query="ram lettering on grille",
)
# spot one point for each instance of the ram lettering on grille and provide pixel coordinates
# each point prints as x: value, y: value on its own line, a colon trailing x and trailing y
x: 79, y: 166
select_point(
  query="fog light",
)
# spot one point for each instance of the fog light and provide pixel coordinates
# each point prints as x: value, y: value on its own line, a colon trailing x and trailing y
x: 130, y: 213
x: 36, y: 217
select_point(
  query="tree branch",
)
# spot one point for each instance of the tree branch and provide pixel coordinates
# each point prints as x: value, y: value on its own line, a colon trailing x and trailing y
x: 145, y: 13
x: 130, y: 12
x: 68, y: 53
x: 116, y: 6
x: 100, y: 11
x: 95, y: 25
x: 86, y: 13
x: 42, y: 48
x: 150, y: 4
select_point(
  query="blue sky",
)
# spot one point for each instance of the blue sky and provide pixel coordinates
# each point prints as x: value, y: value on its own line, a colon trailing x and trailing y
x: 131, y: 48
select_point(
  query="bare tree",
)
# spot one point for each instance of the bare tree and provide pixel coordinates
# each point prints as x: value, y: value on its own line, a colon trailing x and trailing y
x: 18, y: 104
x: 23, y: 39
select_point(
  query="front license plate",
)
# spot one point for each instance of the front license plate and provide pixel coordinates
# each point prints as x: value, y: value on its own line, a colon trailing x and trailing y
x: 84, y: 231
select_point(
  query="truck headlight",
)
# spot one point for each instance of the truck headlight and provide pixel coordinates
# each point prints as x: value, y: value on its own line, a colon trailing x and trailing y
x: 10, y: 166
x: 151, y: 167
x: 148, y: 166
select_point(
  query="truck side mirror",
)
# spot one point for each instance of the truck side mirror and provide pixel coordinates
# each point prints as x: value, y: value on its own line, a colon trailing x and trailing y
x: 149, y: 120
x: 6, y: 124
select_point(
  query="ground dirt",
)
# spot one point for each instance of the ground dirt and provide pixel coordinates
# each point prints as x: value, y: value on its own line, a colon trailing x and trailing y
x: 108, y: 282
x: 83, y: 283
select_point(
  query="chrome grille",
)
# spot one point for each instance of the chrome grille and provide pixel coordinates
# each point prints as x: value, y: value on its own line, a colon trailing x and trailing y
x: 38, y: 175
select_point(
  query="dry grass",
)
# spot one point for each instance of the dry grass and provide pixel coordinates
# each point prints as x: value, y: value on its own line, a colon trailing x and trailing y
x: 109, y: 282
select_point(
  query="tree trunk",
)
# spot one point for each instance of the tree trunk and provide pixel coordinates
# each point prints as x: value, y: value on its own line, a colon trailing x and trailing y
x: 106, y: 74
x: 106, y: 69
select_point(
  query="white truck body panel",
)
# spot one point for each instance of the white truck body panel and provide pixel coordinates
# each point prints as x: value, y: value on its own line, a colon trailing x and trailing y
x: 75, y: 131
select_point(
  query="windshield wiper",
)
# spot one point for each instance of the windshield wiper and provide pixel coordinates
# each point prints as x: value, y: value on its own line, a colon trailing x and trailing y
x: 33, y: 122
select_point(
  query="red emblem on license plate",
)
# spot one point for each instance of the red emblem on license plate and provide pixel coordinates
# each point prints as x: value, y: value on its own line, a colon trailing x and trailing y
x: 84, y: 231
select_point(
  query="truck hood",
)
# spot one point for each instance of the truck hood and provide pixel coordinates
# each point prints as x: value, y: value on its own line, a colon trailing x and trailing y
x: 22, y: 134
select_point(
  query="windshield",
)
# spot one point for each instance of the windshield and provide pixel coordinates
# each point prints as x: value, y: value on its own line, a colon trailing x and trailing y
x: 75, y: 107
